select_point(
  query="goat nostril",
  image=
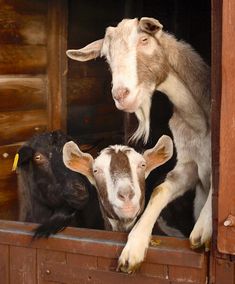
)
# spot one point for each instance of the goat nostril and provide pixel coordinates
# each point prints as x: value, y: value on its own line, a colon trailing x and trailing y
x: 121, y: 196
x: 131, y: 195
x: 126, y: 196
x: 120, y: 93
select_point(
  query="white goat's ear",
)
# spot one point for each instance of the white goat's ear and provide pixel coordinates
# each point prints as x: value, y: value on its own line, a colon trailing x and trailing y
x: 77, y: 161
x: 86, y: 53
x: 159, y: 154
x: 151, y: 26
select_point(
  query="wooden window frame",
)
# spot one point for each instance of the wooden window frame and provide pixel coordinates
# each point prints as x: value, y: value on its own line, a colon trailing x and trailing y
x: 164, y: 261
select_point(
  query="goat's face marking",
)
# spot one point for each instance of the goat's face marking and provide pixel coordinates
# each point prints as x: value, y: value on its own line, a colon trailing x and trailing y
x: 122, y: 170
x: 119, y: 174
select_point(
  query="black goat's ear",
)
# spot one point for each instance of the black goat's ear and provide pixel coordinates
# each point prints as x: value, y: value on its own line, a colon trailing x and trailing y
x: 25, y: 155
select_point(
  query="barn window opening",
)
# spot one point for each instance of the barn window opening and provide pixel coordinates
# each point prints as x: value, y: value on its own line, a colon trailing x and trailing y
x: 33, y: 84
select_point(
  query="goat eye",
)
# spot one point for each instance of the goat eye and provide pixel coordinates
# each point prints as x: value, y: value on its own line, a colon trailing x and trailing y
x: 37, y: 157
x: 142, y: 165
x: 95, y: 171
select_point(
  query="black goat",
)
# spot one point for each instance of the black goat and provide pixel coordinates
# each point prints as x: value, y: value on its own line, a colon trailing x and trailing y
x: 51, y: 194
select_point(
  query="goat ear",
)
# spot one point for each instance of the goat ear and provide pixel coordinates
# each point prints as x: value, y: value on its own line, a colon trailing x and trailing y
x: 159, y: 154
x: 151, y: 26
x: 86, y: 53
x: 25, y: 155
x: 77, y: 161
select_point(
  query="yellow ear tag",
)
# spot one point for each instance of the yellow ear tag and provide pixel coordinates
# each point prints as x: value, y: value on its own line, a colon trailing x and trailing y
x: 16, y: 159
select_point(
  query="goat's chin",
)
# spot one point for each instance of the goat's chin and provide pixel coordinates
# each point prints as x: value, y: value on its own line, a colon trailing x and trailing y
x: 127, y: 106
x: 127, y: 213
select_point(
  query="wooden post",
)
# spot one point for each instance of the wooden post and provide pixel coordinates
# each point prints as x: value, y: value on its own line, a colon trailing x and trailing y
x: 57, y: 64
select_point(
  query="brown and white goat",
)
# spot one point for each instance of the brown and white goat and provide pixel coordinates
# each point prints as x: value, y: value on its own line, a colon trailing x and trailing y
x: 143, y: 58
x: 119, y: 174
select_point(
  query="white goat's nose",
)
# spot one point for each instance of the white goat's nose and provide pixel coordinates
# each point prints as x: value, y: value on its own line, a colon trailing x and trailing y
x: 125, y: 194
x: 120, y: 93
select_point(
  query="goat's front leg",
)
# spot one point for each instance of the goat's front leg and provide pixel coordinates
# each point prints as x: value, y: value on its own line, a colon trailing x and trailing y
x: 202, y: 231
x: 178, y: 181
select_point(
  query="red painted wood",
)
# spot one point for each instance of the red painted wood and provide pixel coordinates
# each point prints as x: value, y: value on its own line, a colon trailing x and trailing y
x: 226, y: 206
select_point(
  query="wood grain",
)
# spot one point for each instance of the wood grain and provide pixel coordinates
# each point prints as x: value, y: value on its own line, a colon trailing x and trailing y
x: 57, y: 64
x: 21, y: 29
x: 226, y: 206
x: 22, y: 93
x: 4, y: 264
x: 22, y: 59
x: 21, y: 125
x: 22, y: 265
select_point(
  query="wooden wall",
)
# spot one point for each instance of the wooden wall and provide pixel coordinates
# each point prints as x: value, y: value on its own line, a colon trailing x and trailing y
x: 23, y: 87
x: 26, y: 83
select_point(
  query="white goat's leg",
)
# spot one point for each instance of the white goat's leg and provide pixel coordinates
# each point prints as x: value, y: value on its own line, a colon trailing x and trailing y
x: 202, y: 231
x: 181, y: 179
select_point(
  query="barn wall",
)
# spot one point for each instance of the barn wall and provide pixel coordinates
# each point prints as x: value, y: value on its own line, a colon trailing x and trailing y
x: 23, y: 87
x: 29, y: 42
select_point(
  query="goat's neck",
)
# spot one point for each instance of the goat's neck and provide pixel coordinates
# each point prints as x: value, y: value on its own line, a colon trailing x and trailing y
x: 184, y: 103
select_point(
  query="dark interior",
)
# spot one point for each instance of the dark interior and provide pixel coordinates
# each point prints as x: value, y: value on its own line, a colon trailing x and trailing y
x: 91, y: 111
x: 92, y: 116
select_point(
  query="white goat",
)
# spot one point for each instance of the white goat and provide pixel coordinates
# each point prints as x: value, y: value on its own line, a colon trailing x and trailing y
x: 119, y: 174
x: 144, y: 58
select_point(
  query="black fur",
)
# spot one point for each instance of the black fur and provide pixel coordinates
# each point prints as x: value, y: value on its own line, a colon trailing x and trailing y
x: 51, y: 194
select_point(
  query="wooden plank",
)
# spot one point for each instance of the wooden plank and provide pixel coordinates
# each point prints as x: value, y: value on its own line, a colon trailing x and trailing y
x: 16, y: 91
x: 26, y: 124
x: 22, y: 59
x: 226, y: 206
x: 224, y: 271
x: 45, y: 257
x: 4, y: 264
x: 7, y: 154
x: 187, y: 275
x: 57, y: 63
x: 22, y: 265
x: 8, y: 198
x: 27, y: 7
x: 16, y: 28
x: 71, y: 274
x: 87, y: 242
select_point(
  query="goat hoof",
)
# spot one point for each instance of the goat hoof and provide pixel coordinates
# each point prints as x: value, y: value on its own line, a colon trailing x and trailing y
x: 126, y: 268
x: 195, y: 244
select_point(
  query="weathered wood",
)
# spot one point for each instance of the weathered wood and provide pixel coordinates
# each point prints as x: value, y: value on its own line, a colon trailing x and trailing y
x: 7, y: 154
x: 26, y: 6
x: 216, y: 80
x: 22, y: 93
x: 223, y: 271
x: 4, y: 264
x: 169, y: 252
x: 26, y: 123
x: 57, y: 63
x: 226, y: 206
x: 22, y: 265
x: 45, y: 257
x: 8, y: 198
x: 79, y: 256
x: 16, y: 28
x: 23, y: 59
